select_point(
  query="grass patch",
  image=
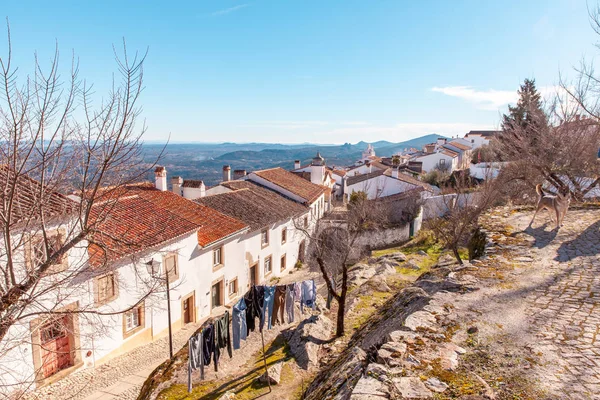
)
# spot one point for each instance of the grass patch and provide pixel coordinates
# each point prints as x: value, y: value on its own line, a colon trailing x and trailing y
x: 244, y: 386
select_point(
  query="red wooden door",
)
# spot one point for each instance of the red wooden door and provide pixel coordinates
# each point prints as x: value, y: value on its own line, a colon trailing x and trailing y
x: 56, y: 349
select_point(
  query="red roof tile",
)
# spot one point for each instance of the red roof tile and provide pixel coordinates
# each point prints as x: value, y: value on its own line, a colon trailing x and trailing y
x: 143, y: 217
x: 291, y: 182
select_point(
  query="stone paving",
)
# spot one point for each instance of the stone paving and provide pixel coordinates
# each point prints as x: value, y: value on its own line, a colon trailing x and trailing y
x: 562, y: 301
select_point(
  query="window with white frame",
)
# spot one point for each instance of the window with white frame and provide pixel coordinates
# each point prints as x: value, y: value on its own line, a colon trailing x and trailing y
x: 264, y: 237
x: 133, y: 319
x: 233, y: 287
x: 268, y: 265
x: 217, y: 256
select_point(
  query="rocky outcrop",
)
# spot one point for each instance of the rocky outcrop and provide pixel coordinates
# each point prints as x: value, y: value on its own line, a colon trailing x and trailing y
x: 273, y: 374
x: 307, y: 338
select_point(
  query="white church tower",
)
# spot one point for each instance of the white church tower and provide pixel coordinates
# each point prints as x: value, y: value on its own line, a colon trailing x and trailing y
x: 368, y: 152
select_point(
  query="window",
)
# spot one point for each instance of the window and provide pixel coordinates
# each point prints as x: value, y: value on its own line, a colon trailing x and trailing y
x: 264, y: 237
x: 171, y: 267
x: 283, y: 266
x: 442, y: 162
x: 306, y: 221
x: 268, y: 266
x: 37, y: 250
x: 283, y: 235
x: 133, y: 321
x: 233, y: 287
x: 106, y: 288
x: 218, y: 256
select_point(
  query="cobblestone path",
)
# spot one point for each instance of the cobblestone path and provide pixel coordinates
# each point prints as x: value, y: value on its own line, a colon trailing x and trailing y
x: 562, y: 301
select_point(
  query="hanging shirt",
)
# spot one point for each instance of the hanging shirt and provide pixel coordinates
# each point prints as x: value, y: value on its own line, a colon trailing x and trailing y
x: 298, y: 291
x: 309, y: 294
x: 208, y: 345
x: 254, y: 303
x: 269, y: 298
x: 222, y: 337
x: 279, y: 305
x: 239, y: 327
x: 289, y: 302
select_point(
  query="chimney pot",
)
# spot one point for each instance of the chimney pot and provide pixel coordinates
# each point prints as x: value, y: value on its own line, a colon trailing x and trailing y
x: 176, y: 183
x: 239, y: 173
x: 160, y: 176
x: 395, y: 173
x: 226, y: 173
x: 297, y: 164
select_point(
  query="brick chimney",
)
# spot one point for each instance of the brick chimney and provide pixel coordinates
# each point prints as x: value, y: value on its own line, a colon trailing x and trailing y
x: 226, y: 173
x: 239, y: 173
x: 176, y: 183
x: 297, y: 164
x: 160, y: 175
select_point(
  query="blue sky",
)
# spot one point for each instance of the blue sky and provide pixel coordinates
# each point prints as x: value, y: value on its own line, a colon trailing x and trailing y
x: 313, y: 71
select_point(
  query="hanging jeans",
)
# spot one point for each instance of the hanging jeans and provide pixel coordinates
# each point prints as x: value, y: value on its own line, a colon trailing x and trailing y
x: 254, y: 306
x: 289, y: 302
x: 195, y: 357
x: 208, y: 346
x: 279, y: 305
x: 239, y: 328
x: 222, y: 337
x: 309, y: 295
x: 268, y: 306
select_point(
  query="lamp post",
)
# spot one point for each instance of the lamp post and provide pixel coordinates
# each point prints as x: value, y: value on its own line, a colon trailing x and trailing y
x: 154, y: 270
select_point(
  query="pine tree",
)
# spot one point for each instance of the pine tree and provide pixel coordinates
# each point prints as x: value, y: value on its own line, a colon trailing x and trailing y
x: 527, y: 115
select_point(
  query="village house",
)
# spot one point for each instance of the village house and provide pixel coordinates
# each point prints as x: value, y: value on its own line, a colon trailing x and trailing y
x: 480, y: 138
x: 383, y: 183
x: 209, y: 252
x: 318, y: 173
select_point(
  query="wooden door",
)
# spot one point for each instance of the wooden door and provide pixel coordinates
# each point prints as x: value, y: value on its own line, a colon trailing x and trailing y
x: 253, y: 275
x: 188, y: 310
x: 56, y: 347
x: 216, y: 294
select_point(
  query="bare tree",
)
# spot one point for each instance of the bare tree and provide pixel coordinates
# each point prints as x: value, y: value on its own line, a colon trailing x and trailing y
x: 57, y: 138
x: 461, y: 212
x: 335, y: 243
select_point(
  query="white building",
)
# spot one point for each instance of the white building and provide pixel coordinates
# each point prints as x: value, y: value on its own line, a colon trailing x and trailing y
x: 445, y: 159
x: 383, y: 183
x: 480, y: 138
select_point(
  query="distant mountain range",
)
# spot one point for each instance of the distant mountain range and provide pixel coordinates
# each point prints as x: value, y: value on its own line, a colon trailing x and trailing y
x: 205, y: 160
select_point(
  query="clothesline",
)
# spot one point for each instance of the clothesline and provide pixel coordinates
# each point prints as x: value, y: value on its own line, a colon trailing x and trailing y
x: 268, y: 303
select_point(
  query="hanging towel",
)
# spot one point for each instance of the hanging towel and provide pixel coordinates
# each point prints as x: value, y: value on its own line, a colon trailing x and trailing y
x: 309, y: 294
x: 222, y: 336
x: 269, y: 298
x: 289, y: 302
x: 238, y: 323
x: 279, y: 305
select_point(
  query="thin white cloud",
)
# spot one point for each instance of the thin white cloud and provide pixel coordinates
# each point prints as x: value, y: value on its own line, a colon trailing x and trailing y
x: 229, y: 10
x: 483, y: 99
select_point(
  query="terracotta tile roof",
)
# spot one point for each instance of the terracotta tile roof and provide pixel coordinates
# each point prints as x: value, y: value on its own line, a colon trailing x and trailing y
x: 292, y: 183
x: 192, y: 183
x: 339, y: 172
x: 253, y: 204
x: 449, y: 152
x: 409, y: 179
x: 460, y: 145
x: 142, y: 217
x: 27, y: 194
x: 353, y: 180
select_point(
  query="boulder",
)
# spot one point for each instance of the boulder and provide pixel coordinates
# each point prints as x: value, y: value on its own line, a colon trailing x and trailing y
x: 229, y: 395
x: 385, y: 269
x: 368, y: 388
x: 397, y: 349
x: 412, y: 388
x: 387, y: 357
x: 436, y: 385
x: 274, y: 372
x: 403, y: 336
x: 448, y: 359
x: 379, y: 372
x: 411, y: 264
x: 446, y: 260
x: 422, y: 253
x: 379, y: 284
x: 305, y: 339
x: 421, y: 320
x: 397, y: 256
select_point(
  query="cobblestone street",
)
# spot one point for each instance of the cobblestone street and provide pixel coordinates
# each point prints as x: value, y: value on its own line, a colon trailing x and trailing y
x: 564, y: 302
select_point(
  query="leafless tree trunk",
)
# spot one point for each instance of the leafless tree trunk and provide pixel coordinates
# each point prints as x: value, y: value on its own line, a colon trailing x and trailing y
x: 58, y: 138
